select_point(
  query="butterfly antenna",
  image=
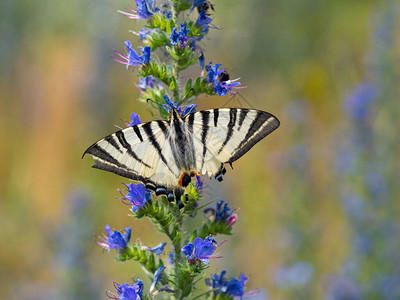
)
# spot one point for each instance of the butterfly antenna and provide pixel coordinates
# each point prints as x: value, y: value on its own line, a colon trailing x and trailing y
x: 188, y: 95
x: 245, y: 100
x: 152, y: 101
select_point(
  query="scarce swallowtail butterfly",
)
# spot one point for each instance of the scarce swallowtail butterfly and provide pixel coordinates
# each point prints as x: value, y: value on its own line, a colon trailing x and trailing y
x: 164, y: 155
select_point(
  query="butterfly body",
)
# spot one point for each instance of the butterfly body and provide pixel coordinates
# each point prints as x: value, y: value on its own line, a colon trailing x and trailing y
x: 165, y: 155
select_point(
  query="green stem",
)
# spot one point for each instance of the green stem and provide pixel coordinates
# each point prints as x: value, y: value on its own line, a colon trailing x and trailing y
x: 175, y: 13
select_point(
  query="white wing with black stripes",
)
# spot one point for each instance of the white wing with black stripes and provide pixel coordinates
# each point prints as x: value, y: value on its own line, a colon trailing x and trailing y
x: 164, y: 155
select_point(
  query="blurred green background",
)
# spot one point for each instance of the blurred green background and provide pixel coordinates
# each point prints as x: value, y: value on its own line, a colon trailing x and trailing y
x: 318, y: 200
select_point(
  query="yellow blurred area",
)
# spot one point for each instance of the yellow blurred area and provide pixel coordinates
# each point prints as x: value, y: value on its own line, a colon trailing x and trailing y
x: 60, y: 92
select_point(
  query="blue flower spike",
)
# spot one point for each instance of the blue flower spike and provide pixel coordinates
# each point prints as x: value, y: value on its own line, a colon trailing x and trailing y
x: 114, y: 239
x: 136, y: 195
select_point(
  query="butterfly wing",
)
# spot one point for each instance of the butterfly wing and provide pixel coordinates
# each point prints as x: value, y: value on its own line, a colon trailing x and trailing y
x: 224, y: 135
x: 140, y: 153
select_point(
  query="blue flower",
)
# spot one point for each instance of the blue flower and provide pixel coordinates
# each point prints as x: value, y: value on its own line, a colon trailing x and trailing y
x: 148, y: 82
x: 114, y: 239
x: 220, y: 80
x: 204, y: 21
x: 195, y: 4
x: 132, y: 58
x: 141, y: 12
x: 183, y: 112
x: 157, y: 249
x: 189, y: 109
x: 157, y: 277
x: 201, y: 61
x: 137, y: 195
x: 135, y: 120
x: 200, y: 249
x: 128, y: 292
x: 188, y: 250
x: 199, y: 183
x: 222, y: 213
x: 234, y: 287
x: 176, y: 37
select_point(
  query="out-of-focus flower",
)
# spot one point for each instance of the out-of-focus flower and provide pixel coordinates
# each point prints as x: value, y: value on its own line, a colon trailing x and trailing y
x: 157, y: 277
x: 132, y: 58
x: 157, y: 249
x: 141, y: 12
x: 201, y: 61
x: 200, y: 249
x: 359, y: 103
x: 342, y: 288
x: 148, y: 82
x: 127, y: 291
x: 233, y: 287
x: 114, y: 239
x: 297, y: 275
x: 137, y: 195
x: 196, y: 4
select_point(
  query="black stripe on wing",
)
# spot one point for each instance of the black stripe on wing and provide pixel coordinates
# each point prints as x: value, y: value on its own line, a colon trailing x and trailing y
x: 231, y: 124
x: 151, y: 185
x: 263, y: 124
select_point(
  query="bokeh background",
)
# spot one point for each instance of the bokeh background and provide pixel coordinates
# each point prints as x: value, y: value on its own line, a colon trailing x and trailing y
x: 318, y: 200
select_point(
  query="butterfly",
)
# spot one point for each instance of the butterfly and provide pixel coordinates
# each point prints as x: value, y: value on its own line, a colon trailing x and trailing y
x: 166, y: 155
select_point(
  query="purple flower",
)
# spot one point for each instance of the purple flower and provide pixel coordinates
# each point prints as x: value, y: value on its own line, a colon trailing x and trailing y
x: 199, y: 183
x: 157, y: 277
x: 128, y: 292
x: 132, y: 58
x: 137, y: 195
x: 114, y: 239
x: 157, y: 249
x: 141, y: 12
x: 200, y: 249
